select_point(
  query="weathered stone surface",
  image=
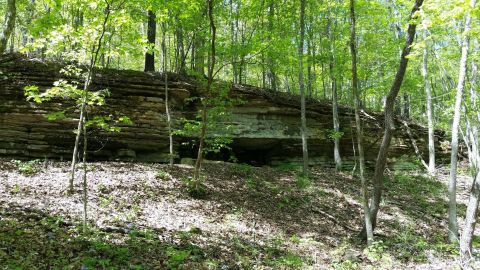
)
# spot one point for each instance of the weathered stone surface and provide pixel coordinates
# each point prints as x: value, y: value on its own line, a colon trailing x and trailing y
x: 265, y: 128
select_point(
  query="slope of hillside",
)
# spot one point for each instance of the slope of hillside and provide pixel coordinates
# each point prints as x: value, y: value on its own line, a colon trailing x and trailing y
x: 142, y: 217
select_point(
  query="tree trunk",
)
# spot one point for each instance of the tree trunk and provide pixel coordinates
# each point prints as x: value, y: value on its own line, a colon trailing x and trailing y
x: 389, y: 122
x: 406, y: 106
x: 151, y: 31
x: 474, y: 156
x: 234, y: 42
x: 309, y: 68
x: 86, y: 85
x: 167, y: 108
x: 336, y: 121
x: 77, y: 136
x: 271, y: 69
x: 181, y: 48
x: 9, y: 25
x: 302, y: 88
x: 358, y: 123
x: 199, y: 54
x: 85, y: 191
x: 431, y: 127
x: 452, y: 184
x: 211, y: 68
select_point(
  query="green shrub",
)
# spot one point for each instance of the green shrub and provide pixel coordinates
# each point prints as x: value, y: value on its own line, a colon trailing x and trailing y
x: 195, y: 190
x: 303, y: 181
x: 26, y: 167
x: 162, y: 175
x: 176, y: 257
x: 290, y: 260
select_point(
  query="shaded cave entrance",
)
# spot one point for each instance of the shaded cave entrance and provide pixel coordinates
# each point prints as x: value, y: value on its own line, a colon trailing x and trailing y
x: 252, y: 151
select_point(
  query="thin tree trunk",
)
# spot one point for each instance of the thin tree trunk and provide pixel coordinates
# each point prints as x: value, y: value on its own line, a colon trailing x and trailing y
x: 302, y: 89
x: 199, y: 54
x: 181, y: 48
x: 9, y: 25
x: 271, y: 69
x: 389, y: 122
x: 452, y: 184
x: 474, y: 154
x: 77, y: 136
x: 88, y: 80
x: 167, y: 108
x: 211, y: 67
x: 309, y: 68
x: 431, y: 127
x: 151, y: 32
x: 234, y: 43
x: 406, y: 106
x: 358, y: 123
x: 85, y: 192
x: 336, y: 121
x: 414, y: 144
x: 470, y: 221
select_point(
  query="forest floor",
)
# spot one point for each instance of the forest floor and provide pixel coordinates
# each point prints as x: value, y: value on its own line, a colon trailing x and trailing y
x: 142, y: 217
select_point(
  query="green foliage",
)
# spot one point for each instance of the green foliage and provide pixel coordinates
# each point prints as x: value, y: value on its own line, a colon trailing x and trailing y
x: 407, y: 245
x: 106, y: 201
x: 243, y: 170
x: 15, y: 189
x: 27, y: 167
x: 217, y: 104
x: 303, y: 181
x: 346, y: 265
x: 290, y: 260
x: 427, y: 193
x: 193, y: 188
x: 252, y: 183
x: 176, y: 257
x: 68, y: 91
x: 333, y: 135
x: 407, y: 163
x: 162, y: 175
x: 288, y: 167
x: 376, y: 251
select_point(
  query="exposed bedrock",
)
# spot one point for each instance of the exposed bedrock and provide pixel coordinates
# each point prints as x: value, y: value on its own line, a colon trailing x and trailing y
x: 265, y: 128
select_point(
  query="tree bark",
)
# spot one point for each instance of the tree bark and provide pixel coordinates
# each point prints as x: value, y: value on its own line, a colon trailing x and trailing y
x: 474, y: 156
x: 428, y: 91
x: 199, y: 54
x: 86, y: 85
x: 77, y: 137
x: 85, y: 189
x: 234, y: 43
x: 181, y: 48
x: 358, y: 123
x: 211, y: 68
x: 309, y: 68
x: 151, y: 32
x: 271, y: 69
x: 302, y: 89
x: 9, y: 25
x: 336, y: 121
x: 452, y: 184
x: 167, y: 107
x: 389, y: 122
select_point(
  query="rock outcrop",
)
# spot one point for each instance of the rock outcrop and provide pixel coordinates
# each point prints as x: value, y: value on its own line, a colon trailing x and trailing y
x: 265, y: 127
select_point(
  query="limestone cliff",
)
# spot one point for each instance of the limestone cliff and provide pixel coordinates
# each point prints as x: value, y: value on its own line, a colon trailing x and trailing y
x: 265, y: 127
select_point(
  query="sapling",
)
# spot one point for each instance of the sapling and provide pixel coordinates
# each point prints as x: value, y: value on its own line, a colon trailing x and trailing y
x: 85, y: 99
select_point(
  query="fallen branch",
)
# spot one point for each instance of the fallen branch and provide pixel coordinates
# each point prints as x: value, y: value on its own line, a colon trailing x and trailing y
x: 414, y: 144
